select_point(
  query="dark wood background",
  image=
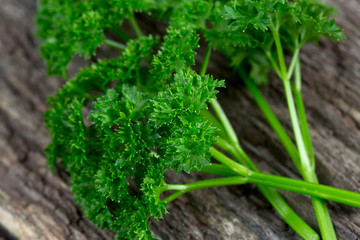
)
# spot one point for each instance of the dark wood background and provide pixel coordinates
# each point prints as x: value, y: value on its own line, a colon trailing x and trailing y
x: 35, y: 204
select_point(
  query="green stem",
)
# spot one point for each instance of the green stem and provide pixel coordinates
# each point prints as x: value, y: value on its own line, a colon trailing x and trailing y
x: 114, y: 44
x: 308, y: 188
x: 206, y: 60
x: 272, y: 120
x: 277, y: 201
x: 304, y: 158
x: 135, y: 25
x: 288, y: 145
x: 218, y: 169
x: 230, y: 132
x: 224, y: 145
x: 308, y: 171
x: 293, y: 64
x: 286, y: 212
x: 305, y: 162
x: 301, y: 112
x: 217, y: 182
x: 273, y: 62
x: 322, y: 214
x: 280, y: 52
x: 239, y: 154
x: 284, y: 183
x: 280, y: 205
x: 240, y: 169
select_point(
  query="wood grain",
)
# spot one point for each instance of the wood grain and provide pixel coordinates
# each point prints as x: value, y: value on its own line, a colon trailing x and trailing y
x: 35, y: 204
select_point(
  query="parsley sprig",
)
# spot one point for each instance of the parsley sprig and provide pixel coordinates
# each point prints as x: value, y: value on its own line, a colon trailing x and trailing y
x: 122, y: 122
x: 286, y: 25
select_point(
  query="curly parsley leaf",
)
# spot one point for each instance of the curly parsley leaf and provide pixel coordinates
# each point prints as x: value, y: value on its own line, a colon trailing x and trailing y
x: 128, y: 140
x: 74, y: 27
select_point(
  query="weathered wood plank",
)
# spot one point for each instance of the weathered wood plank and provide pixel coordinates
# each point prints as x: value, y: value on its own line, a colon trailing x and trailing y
x: 34, y: 204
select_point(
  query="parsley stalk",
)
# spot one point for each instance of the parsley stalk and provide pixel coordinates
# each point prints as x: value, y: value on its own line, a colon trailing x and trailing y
x: 233, y: 170
x: 321, y: 211
x: 236, y: 174
x: 280, y: 205
x: 135, y: 25
x: 272, y: 120
x: 114, y: 44
x: 277, y: 127
x: 307, y: 164
x: 217, y: 182
x: 301, y: 110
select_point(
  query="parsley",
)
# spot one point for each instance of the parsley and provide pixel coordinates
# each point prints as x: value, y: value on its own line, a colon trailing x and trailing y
x: 280, y: 25
x: 149, y: 108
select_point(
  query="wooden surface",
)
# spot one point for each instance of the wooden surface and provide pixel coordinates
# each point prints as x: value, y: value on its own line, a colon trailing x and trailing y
x: 34, y: 204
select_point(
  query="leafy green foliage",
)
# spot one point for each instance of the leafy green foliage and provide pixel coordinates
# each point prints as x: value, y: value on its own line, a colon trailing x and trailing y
x: 191, y: 14
x: 74, y: 27
x: 146, y: 123
x: 175, y: 54
x: 300, y: 21
x: 186, y: 137
x: 294, y: 22
x: 145, y: 104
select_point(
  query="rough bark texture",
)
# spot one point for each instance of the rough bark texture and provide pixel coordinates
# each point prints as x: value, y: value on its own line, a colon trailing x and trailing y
x: 35, y: 204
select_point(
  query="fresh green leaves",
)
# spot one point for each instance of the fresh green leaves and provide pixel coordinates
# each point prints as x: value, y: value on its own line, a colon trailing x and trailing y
x: 250, y: 27
x: 143, y: 119
x: 176, y: 53
x: 73, y: 27
x: 301, y: 21
x: 186, y: 138
x: 122, y: 122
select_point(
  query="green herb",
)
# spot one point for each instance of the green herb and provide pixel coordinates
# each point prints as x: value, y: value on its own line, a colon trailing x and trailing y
x: 149, y: 108
x: 279, y: 25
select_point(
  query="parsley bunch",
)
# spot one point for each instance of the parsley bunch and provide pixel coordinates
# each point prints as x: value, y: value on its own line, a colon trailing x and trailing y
x: 122, y: 122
